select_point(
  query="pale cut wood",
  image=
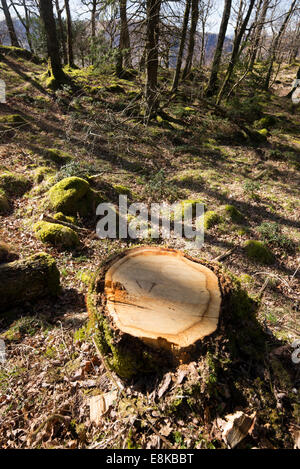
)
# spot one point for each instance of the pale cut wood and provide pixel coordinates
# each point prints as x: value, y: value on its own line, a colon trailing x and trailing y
x: 155, y: 294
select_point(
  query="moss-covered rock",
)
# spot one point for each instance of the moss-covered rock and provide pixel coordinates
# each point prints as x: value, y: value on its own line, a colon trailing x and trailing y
x: 57, y: 235
x: 28, y: 279
x: 74, y: 195
x: 124, y: 190
x: 4, y: 204
x: 41, y: 173
x: 211, y: 218
x: 264, y: 132
x: 258, y: 251
x: 234, y: 214
x: 14, y: 184
x: 61, y: 217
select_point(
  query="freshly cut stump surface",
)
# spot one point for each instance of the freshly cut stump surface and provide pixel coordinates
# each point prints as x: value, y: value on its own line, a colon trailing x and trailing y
x: 155, y: 294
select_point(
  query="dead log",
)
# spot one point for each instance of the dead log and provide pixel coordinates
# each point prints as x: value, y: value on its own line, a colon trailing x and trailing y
x: 28, y: 279
x: 150, y: 306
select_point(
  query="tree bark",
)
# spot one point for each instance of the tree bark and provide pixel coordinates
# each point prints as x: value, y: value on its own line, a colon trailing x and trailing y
x: 124, y: 35
x: 28, y: 279
x: 235, y: 51
x: 150, y: 306
x: 61, y: 32
x: 46, y: 10
x: 182, y: 44
x: 69, y: 35
x: 191, y: 46
x: 152, y: 40
x: 257, y: 33
x: 212, y: 84
x: 10, y: 26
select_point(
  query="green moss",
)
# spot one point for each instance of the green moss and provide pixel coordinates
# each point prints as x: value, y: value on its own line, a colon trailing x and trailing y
x: 56, y: 235
x: 257, y: 251
x: 264, y: 132
x: 73, y: 195
x: 122, y: 189
x: 4, y: 204
x: 211, y: 219
x: 57, y: 156
x: 13, y: 120
x: 14, y: 184
x: 265, y: 122
x: 40, y: 174
x: 61, y: 217
x: 115, y: 89
x: 234, y: 214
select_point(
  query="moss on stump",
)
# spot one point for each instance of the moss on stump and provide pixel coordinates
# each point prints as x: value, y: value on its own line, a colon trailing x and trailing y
x: 55, y: 234
x: 128, y: 355
x: 28, y: 279
x: 4, y: 204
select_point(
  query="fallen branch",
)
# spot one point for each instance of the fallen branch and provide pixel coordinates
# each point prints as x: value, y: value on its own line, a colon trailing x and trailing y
x: 226, y: 254
x: 64, y: 223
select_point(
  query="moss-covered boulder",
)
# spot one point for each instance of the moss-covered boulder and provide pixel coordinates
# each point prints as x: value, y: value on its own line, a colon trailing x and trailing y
x: 61, y: 217
x: 74, y: 195
x: 211, y: 218
x: 259, y: 252
x: 234, y: 214
x: 42, y: 173
x: 4, y: 204
x: 57, y: 235
x: 14, y: 184
x: 28, y: 279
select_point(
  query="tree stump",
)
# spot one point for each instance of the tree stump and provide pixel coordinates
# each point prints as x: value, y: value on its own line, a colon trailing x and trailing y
x: 150, y: 307
x: 27, y: 279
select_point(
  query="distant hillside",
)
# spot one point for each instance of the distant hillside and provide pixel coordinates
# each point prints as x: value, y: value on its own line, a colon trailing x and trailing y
x: 210, y: 41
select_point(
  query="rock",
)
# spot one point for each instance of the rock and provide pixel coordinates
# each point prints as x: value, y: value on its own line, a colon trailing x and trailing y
x: 57, y: 235
x: 73, y: 195
x: 14, y: 184
x: 28, y: 279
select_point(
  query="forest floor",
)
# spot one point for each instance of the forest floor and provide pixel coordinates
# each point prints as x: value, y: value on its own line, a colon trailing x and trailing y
x: 193, y: 152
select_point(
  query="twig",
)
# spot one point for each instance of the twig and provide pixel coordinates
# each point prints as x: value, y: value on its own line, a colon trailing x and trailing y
x: 225, y: 255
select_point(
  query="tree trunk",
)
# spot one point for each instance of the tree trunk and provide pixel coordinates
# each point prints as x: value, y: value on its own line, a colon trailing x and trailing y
x: 257, y: 33
x: 46, y: 10
x: 191, y: 46
x: 276, y: 44
x: 124, y: 36
x: 28, y: 279
x: 61, y: 32
x: 295, y: 85
x: 212, y: 85
x: 69, y: 35
x: 235, y: 51
x: 152, y: 40
x: 149, y: 307
x: 182, y: 44
x: 10, y: 26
